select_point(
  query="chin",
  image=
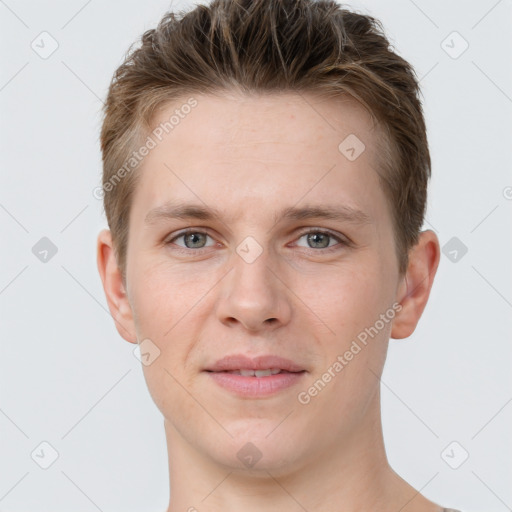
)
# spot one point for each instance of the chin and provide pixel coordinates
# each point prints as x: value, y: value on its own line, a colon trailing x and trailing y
x: 258, y: 446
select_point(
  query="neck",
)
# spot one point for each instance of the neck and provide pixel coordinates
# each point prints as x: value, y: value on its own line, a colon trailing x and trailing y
x: 354, y: 475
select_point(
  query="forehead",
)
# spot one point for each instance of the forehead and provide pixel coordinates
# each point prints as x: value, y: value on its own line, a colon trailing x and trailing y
x: 228, y: 120
x: 278, y: 147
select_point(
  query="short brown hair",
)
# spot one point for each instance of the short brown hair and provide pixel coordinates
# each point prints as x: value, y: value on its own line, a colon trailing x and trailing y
x: 270, y: 46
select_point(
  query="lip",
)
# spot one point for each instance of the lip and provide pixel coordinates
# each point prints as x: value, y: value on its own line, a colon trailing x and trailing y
x: 242, y: 362
x: 252, y: 386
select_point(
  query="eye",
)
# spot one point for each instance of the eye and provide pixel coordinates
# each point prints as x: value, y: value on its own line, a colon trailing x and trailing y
x: 317, y: 239
x: 191, y: 239
x: 196, y: 240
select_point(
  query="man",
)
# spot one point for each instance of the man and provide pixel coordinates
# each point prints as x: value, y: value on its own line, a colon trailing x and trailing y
x: 265, y: 178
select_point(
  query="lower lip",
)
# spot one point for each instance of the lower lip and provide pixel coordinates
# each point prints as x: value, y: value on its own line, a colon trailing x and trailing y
x: 254, y: 387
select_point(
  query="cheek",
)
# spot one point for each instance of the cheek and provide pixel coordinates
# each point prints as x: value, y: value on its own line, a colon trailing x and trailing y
x: 349, y: 303
x: 347, y: 299
x: 166, y: 309
x: 163, y: 297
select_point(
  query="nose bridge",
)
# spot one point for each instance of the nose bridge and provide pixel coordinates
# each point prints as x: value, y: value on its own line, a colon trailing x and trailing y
x: 252, y: 293
x: 252, y: 272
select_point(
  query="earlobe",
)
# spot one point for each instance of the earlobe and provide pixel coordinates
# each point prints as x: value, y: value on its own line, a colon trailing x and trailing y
x: 115, y: 292
x: 414, y: 290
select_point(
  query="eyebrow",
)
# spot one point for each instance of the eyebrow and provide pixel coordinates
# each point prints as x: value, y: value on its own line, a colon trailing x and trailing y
x: 173, y: 210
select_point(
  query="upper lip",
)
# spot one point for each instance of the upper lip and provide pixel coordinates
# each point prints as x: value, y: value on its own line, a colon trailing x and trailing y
x: 264, y: 362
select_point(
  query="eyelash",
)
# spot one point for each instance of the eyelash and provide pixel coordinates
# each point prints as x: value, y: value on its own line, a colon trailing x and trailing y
x: 328, y: 250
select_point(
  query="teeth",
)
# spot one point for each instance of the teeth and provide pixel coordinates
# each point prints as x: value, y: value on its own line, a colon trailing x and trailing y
x: 266, y: 373
x: 256, y: 373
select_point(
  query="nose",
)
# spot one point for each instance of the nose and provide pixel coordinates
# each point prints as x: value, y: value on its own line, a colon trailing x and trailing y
x: 253, y: 297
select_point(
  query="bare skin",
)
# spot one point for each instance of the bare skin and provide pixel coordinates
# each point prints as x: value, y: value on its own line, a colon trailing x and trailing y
x: 250, y: 157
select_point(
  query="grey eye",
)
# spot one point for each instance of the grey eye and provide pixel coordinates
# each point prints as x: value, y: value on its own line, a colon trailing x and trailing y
x: 194, y: 240
x: 319, y: 240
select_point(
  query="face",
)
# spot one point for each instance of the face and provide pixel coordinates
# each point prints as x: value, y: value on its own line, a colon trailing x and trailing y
x: 263, y: 271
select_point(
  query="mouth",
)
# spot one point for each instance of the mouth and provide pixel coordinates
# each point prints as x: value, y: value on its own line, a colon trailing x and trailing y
x: 255, y: 373
x: 258, y: 377
x: 262, y: 364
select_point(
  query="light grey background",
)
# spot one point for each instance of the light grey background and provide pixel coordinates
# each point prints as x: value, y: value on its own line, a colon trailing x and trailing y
x: 68, y: 378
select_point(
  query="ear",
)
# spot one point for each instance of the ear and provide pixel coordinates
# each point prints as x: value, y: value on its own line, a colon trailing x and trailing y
x: 115, y: 292
x: 414, y: 289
